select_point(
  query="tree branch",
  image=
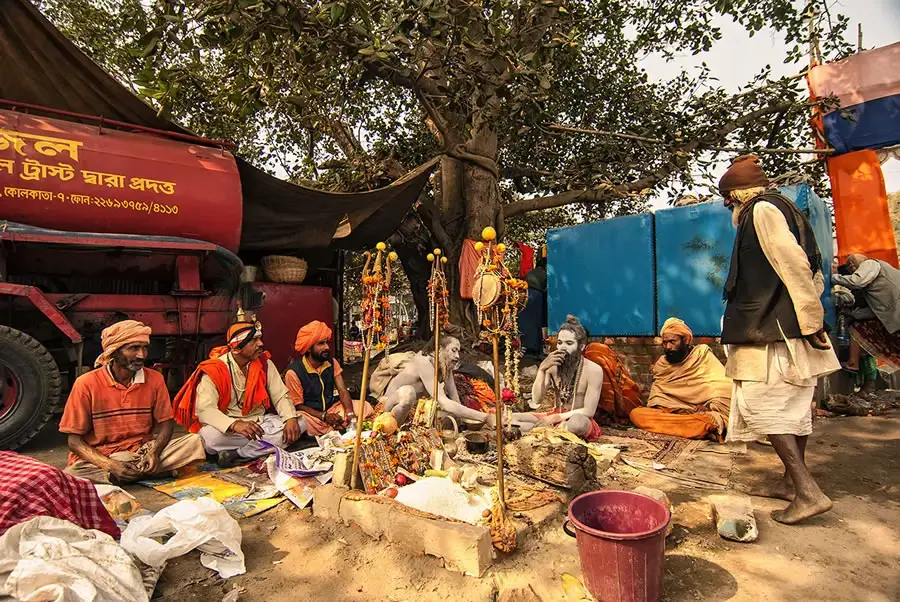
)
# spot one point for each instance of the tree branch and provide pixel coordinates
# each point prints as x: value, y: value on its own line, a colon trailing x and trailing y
x: 679, y: 162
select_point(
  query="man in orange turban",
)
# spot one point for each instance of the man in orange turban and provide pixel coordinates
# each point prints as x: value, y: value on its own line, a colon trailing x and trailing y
x: 314, y: 377
x: 113, y: 411
x: 690, y: 395
x: 229, y: 397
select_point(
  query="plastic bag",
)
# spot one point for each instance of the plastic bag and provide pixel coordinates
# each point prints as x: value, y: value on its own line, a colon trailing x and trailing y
x: 203, y: 524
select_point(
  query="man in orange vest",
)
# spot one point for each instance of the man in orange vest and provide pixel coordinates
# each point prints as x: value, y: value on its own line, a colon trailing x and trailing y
x: 229, y: 399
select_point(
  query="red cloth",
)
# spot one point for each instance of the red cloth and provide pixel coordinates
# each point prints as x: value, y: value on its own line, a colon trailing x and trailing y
x: 469, y: 259
x: 29, y: 488
x: 527, y: 263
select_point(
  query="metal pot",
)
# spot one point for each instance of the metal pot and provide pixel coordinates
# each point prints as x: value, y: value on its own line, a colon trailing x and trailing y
x: 476, y: 443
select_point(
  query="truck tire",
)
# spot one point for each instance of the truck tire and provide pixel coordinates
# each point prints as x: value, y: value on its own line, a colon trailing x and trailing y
x: 29, y: 387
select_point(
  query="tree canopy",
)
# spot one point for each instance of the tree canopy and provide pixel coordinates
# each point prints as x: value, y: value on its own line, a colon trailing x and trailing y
x: 540, y: 108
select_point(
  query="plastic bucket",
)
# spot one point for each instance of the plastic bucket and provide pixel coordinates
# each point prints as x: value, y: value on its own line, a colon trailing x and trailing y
x: 621, y: 539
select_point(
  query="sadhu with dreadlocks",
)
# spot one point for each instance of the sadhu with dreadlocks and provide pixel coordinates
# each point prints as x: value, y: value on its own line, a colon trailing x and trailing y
x: 227, y: 398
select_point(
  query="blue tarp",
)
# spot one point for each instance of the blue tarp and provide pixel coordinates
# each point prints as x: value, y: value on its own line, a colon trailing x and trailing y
x: 868, y: 125
x: 625, y: 276
x: 603, y: 273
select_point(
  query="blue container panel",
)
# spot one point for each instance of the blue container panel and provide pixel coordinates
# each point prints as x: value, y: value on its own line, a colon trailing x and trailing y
x: 819, y: 216
x: 603, y: 273
x: 693, y: 253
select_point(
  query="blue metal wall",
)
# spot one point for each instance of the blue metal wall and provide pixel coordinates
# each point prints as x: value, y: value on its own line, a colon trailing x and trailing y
x: 693, y: 252
x: 819, y: 216
x: 624, y: 277
x: 603, y: 273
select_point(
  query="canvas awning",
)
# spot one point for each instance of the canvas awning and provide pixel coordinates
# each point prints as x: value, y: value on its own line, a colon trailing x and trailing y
x: 41, y: 67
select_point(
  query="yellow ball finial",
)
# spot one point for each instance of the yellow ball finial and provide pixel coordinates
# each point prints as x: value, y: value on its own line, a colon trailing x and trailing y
x: 501, y: 247
x: 479, y: 246
x: 392, y: 256
x: 437, y: 252
x: 443, y: 260
x: 381, y: 246
x: 429, y: 257
x: 489, y: 234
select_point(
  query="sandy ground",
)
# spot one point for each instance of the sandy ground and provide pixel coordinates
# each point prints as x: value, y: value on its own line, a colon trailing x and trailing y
x: 851, y: 553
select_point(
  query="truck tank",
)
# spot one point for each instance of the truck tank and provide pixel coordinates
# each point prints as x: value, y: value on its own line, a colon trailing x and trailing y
x: 87, y: 178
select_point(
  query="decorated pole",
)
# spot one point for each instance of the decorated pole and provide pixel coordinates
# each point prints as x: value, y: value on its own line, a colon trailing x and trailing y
x: 376, y: 316
x: 498, y: 414
x: 439, y: 306
x: 498, y: 298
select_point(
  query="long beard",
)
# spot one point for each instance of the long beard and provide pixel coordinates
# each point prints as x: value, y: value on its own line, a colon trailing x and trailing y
x: 736, y: 214
x: 568, y: 368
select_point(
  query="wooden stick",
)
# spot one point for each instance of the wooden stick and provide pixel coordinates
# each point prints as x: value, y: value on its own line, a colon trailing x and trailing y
x: 498, y: 413
x: 360, y: 414
x: 437, y: 338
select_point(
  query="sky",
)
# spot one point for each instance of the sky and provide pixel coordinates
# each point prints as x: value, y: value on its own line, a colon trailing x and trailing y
x: 728, y: 59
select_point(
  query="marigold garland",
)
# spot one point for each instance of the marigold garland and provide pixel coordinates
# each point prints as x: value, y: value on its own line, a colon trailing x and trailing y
x: 376, y: 298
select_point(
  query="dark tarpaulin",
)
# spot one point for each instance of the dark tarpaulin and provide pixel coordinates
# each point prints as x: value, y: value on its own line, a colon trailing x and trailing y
x: 38, y: 65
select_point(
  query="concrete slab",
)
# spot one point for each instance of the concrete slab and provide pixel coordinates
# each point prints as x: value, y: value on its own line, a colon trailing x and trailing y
x: 464, y: 548
x: 530, y: 521
x: 327, y: 501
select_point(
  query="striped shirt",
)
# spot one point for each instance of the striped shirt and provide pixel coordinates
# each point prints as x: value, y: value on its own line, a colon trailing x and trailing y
x: 112, y: 417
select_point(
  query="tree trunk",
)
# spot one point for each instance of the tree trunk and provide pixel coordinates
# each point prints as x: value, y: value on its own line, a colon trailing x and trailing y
x: 468, y: 201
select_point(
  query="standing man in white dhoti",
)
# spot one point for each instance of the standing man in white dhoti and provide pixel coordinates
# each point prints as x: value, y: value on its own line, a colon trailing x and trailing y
x: 775, y: 330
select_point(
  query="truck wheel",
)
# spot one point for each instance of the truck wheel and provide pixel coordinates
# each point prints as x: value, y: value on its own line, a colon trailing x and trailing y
x: 29, y: 387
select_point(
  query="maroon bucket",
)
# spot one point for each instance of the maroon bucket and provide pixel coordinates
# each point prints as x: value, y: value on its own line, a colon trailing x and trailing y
x: 621, y: 539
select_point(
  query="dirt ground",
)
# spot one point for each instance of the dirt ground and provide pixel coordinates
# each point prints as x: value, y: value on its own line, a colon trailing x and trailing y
x: 850, y: 553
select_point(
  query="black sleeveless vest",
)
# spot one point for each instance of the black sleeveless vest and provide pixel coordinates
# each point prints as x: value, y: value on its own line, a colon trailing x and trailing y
x: 757, y: 301
x: 318, y: 389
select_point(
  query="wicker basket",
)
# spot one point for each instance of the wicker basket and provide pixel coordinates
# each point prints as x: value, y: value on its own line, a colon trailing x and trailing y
x: 285, y: 269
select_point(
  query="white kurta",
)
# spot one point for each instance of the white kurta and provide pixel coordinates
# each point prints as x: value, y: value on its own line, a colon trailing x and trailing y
x: 774, y: 383
x: 215, y: 423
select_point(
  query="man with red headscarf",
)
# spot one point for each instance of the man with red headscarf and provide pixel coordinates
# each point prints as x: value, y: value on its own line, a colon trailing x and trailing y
x: 112, y: 412
x: 313, y: 378
x: 229, y: 398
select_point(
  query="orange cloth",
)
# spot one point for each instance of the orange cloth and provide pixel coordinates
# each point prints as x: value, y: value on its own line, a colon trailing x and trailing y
x: 120, y: 334
x: 693, y: 396
x: 311, y: 334
x: 620, y: 394
x: 295, y: 387
x: 668, y: 422
x: 862, y: 219
x: 469, y: 259
x: 114, y: 418
x: 256, y: 393
x: 678, y: 328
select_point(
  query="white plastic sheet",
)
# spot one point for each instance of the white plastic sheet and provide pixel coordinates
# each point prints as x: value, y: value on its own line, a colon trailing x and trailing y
x: 202, y: 524
x: 47, y: 559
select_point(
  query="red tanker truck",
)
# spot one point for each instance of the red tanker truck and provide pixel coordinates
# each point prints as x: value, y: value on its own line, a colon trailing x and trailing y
x: 99, y: 225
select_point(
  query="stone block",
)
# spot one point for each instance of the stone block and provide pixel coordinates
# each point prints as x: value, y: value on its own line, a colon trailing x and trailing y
x: 734, y: 518
x: 609, y: 455
x: 343, y: 469
x: 660, y: 497
x: 463, y: 547
x: 327, y: 501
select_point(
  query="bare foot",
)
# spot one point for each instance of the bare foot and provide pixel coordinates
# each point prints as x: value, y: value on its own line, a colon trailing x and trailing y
x: 799, y: 510
x: 783, y: 490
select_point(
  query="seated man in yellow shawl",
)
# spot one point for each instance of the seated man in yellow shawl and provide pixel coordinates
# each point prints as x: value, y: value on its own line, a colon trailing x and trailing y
x: 690, y: 395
